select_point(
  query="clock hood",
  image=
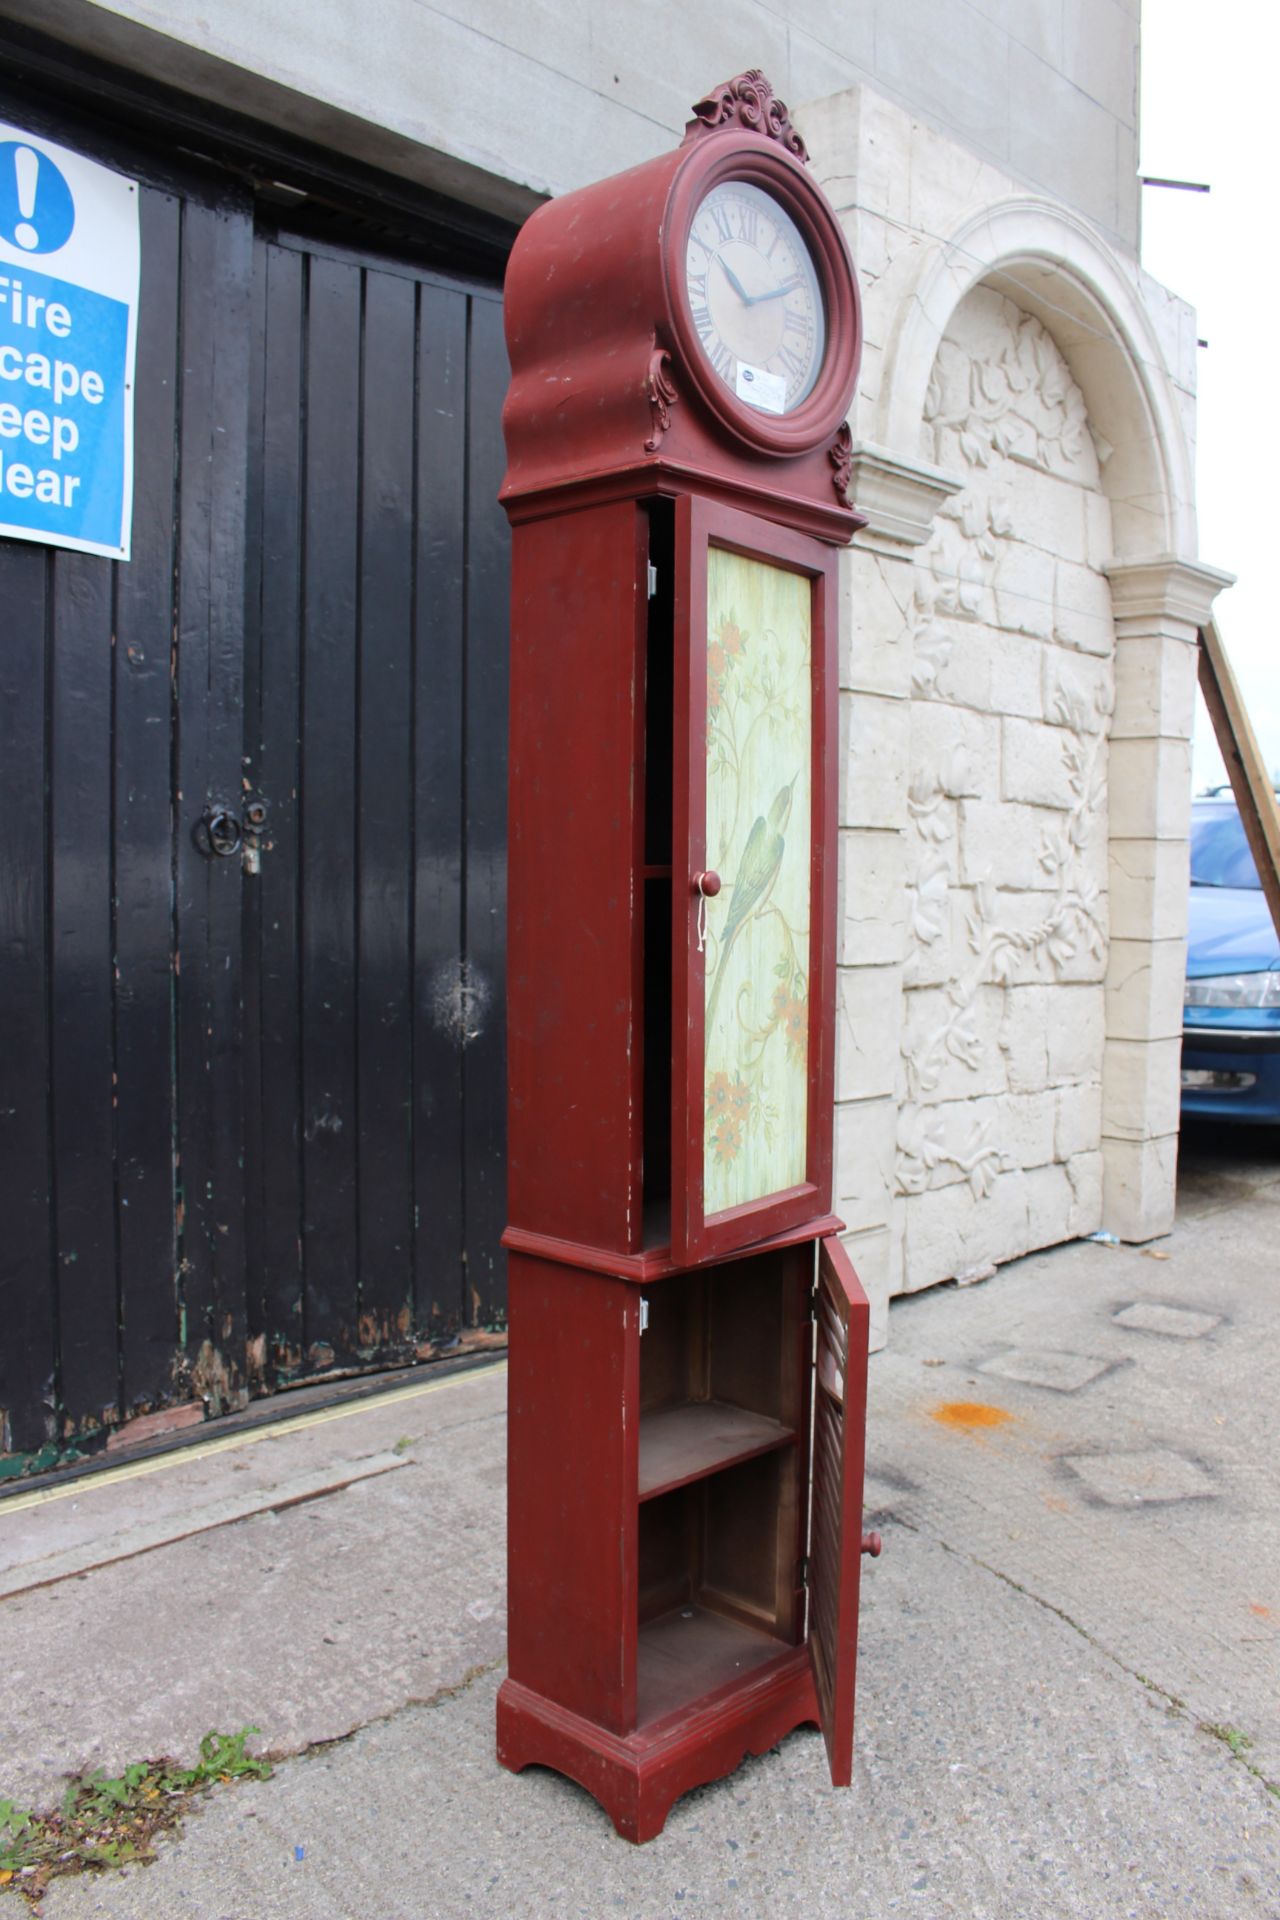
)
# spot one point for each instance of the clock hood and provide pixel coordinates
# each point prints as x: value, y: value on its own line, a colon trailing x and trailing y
x: 609, y: 389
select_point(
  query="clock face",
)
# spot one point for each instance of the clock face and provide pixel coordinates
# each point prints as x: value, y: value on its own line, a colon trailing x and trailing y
x: 754, y: 297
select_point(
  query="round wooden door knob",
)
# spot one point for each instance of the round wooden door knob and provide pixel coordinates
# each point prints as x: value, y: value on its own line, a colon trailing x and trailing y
x: 707, y: 884
x: 872, y: 1544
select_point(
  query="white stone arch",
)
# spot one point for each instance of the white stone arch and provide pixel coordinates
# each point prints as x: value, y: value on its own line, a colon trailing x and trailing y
x: 1055, y: 266
x: 1131, y: 350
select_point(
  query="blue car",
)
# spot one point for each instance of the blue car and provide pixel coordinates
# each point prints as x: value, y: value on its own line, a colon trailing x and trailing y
x: 1231, y: 1011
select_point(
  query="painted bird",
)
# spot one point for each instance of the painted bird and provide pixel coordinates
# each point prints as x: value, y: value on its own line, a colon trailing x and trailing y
x: 757, y: 871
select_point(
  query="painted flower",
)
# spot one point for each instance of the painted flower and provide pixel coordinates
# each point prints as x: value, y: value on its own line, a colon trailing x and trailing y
x: 727, y: 1098
x: 791, y: 1013
x: 726, y: 1139
x: 721, y: 652
x: 718, y: 1094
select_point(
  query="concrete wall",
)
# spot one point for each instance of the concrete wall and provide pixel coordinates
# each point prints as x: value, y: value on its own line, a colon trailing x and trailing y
x: 501, y: 101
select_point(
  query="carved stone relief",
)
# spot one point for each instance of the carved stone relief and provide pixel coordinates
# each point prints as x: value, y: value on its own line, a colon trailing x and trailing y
x: 1007, y: 798
x: 1001, y: 389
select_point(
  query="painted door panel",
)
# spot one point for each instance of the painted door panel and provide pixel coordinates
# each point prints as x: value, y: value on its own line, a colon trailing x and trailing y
x: 754, y: 802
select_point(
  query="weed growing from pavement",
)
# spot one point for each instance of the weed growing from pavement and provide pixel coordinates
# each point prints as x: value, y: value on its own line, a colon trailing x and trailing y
x: 1238, y: 1745
x: 113, y: 1822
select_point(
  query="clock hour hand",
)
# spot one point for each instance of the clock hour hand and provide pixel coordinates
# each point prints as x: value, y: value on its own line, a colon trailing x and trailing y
x: 774, y: 293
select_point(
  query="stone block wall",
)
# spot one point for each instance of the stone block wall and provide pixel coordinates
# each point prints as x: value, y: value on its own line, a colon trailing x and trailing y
x: 1017, y: 671
x: 999, y: 1122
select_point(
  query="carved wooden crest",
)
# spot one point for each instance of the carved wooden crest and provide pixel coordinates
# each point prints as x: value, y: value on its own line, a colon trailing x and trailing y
x: 747, y: 102
x: 840, y: 455
x: 663, y: 393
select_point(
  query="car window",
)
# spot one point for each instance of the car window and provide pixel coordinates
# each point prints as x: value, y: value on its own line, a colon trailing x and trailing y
x: 1220, y: 855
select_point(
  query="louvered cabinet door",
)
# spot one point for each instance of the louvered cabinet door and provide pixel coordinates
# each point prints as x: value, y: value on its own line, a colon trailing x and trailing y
x: 835, y: 1529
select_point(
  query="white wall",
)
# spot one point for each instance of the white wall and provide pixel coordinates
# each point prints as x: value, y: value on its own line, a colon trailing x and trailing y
x: 499, y: 101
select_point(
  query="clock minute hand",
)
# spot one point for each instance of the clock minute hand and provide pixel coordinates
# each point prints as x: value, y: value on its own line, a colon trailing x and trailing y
x: 734, y: 281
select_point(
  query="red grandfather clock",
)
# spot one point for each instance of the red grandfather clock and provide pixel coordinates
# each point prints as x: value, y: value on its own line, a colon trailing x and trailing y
x: 688, y: 1337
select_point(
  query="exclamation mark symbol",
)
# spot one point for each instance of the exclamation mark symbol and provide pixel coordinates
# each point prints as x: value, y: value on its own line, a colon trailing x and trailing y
x: 26, y: 162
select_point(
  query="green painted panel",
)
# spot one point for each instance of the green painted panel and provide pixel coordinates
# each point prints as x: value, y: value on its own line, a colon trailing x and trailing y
x: 759, y: 753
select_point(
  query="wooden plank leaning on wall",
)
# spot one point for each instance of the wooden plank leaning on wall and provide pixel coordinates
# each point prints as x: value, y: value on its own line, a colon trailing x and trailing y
x: 1250, y: 781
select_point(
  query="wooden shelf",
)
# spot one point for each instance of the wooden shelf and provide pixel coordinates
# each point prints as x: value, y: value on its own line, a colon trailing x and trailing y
x: 689, y: 1652
x: 684, y: 1443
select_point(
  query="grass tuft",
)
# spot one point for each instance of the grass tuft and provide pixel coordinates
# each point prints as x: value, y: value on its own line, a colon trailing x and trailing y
x: 113, y: 1821
x: 1238, y: 1745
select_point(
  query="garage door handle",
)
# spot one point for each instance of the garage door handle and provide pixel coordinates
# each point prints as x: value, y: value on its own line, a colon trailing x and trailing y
x: 217, y: 833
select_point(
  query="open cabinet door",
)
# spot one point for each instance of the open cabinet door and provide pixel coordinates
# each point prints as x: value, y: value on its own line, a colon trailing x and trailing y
x: 835, y: 1521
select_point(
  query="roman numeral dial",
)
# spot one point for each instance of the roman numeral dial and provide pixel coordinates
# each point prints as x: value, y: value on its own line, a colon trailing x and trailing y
x: 754, y: 297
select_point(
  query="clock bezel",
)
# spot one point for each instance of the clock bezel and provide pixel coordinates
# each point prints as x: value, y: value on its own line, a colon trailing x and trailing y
x: 753, y: 162
x: 810, y: 370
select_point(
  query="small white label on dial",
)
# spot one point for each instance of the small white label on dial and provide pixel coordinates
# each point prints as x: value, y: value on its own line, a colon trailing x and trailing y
x: 758, y: 388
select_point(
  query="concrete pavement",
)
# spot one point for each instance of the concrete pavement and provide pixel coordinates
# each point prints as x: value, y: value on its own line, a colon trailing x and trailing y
x: 1069, y: 1693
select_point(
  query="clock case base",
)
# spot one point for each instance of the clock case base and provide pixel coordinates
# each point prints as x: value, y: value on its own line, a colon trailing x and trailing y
x: 685, y: 1519
x: 637, y: 1778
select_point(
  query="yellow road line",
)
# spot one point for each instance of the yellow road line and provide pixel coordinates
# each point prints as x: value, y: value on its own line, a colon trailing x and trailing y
x: 288, y: 1423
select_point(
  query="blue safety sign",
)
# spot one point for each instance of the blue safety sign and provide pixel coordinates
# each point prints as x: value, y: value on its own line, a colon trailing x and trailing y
x: 69, y: 263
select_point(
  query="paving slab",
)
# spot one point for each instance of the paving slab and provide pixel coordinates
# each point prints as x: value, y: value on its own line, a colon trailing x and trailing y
x: 306, y: 1620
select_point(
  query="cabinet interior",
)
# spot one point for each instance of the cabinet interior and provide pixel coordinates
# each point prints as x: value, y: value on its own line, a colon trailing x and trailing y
x: 659, y: 743
x: 723, y: 1413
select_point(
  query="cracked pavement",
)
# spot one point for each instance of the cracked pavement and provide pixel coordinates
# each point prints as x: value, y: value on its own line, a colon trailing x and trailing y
x: 1069, y: 1680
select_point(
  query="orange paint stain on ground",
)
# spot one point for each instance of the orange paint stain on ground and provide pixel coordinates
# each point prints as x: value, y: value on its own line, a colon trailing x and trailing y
x: 1263, y: 1613
x: 968, y: 1416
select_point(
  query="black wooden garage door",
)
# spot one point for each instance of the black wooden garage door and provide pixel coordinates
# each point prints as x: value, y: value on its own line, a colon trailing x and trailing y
x: 251, y: 1100
x: 376, y: 721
